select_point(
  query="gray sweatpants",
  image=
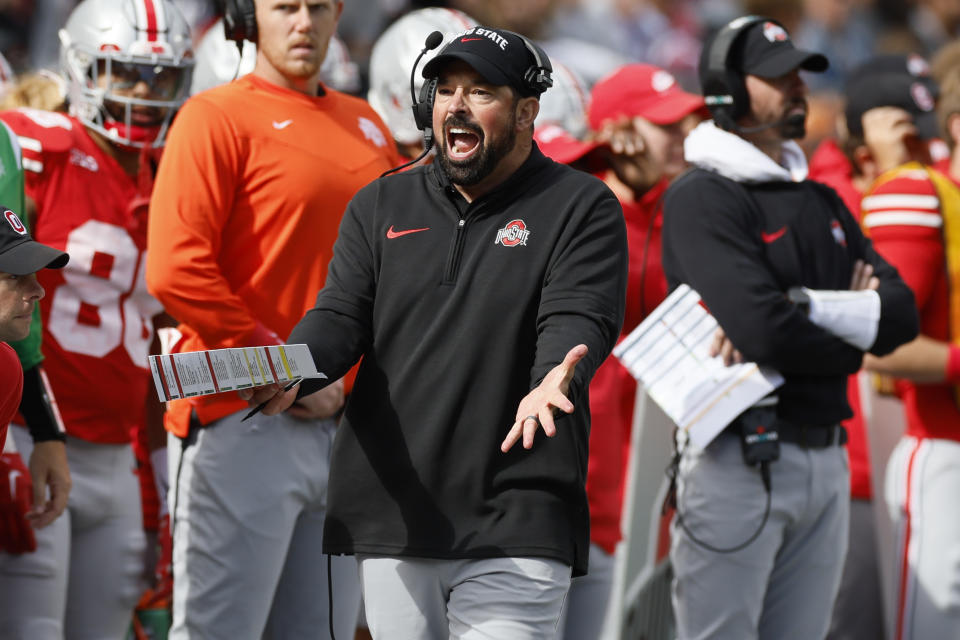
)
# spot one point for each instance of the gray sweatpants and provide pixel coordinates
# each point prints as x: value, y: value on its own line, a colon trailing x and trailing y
x: 588, y: 603
x: 87, y: 573
x: 247, y: 562
x: 483, y: 599
x: 780, y: 587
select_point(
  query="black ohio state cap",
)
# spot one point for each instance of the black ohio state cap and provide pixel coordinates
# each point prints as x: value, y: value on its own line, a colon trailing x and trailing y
x: 19, y: 253
x: 767, y: 51
x: 500, y: 56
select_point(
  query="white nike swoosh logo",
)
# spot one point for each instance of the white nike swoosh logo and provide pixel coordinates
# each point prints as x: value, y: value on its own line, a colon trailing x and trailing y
x: 282, y: 125
x: 12, y: 480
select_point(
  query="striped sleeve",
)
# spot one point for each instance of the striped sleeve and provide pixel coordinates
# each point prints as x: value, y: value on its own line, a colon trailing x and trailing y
x: 907, y: 199
x: 901, y: 214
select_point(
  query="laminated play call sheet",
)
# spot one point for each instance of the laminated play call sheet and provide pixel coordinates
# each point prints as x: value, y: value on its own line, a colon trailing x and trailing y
x: 200, y: 373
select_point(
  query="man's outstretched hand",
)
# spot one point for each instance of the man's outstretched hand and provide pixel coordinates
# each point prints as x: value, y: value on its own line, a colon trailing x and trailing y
x: 536, y: 408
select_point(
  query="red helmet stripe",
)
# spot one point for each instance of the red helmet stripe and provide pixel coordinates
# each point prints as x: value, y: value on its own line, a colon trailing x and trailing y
x: 456, y: 15
x: 151, y: 13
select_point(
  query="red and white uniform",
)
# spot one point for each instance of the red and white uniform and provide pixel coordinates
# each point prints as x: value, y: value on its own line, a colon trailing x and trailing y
x: 87, y: 572
x: 903, y: 214
x: 830, y: 166
x: 97, y: 313
x: 11, y: 388
x: 613, y: 389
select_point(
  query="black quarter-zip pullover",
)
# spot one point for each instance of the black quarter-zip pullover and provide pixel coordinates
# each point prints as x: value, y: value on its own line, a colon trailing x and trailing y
x: 459, y: 310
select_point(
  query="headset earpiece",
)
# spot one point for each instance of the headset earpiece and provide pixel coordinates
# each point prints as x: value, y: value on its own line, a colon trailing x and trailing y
x: 240, y: 20
x: 724, y: 90
x: 423, y: 109
x: 537, y: 78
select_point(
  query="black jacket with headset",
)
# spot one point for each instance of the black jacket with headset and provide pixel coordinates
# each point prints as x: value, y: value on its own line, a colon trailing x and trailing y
x: 459, y: 310
x: 743, y: 245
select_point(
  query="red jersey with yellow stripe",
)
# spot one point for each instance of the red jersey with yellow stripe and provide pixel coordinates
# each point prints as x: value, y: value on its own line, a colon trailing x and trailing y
x: 97, y: 314
x: 246, y: 207
x: 613, y: 389
x: 902, y: 215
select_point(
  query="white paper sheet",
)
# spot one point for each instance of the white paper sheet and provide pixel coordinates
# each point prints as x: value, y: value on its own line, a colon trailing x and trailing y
x: 668, y: 353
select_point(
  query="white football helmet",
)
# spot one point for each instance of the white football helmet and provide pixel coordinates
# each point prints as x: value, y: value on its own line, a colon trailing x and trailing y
x: 108, y: 48
x: 391, y: 62
x: 565, y: 103
x: 338, y: 69
x: 219, y: 61
x: 7, y: 79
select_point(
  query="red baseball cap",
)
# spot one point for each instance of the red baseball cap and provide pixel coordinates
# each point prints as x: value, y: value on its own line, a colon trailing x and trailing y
x: 556, y: 143
x: 641, y: 90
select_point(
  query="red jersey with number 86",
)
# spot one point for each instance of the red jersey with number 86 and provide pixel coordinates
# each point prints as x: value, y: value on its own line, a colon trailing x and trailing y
x: 97, y: 314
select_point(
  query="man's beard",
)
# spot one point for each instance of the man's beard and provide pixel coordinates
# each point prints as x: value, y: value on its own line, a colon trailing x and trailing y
x: 482, y: 163
x: 794, y: 127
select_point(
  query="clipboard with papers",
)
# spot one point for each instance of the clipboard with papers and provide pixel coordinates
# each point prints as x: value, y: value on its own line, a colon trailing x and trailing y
x: 669, y: 353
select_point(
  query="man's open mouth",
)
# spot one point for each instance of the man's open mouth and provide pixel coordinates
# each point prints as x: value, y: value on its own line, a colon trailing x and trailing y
x: 462, y: 143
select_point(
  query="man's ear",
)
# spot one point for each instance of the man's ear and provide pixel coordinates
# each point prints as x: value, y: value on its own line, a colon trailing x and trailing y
x: 527, y: 110
x: 953, y: 128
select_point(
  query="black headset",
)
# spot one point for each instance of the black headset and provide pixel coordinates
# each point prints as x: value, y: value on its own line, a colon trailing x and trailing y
x: 536, y: 79
x: 240, y: 21
x: 724, y: 90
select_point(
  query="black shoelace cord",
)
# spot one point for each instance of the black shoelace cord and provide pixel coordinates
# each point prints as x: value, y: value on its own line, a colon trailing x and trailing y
x: 673, y: 501
x: 330, y: 595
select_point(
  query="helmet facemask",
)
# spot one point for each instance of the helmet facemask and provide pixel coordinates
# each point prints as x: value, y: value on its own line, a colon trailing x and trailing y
x: 103, y: 74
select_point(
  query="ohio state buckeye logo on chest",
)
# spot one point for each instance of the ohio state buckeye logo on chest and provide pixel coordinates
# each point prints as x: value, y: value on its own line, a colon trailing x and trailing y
x: 513, y: 233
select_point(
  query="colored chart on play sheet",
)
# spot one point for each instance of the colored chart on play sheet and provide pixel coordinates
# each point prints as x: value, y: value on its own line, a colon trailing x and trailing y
x: 199, y: 373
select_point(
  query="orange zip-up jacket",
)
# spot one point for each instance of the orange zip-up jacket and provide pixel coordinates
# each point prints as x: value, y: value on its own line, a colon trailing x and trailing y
x: 245, y: 209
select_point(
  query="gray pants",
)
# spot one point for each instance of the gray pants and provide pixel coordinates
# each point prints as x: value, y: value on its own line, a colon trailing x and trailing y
x: 87, y: 573
x: 780, y: 587
x: 588, y: 603
x: 247, y: 559
x: 858, y: 612
x: 484, y: 599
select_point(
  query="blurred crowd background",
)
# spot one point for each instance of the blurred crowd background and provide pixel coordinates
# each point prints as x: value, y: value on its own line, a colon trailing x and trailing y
x: 594, y: 37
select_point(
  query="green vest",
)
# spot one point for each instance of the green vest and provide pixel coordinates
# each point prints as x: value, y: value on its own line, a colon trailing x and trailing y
x: 12, y: 197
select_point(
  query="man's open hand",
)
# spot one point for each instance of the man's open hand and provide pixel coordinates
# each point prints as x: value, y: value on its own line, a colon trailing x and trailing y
x: 51, y: 482
x: 536, y: 408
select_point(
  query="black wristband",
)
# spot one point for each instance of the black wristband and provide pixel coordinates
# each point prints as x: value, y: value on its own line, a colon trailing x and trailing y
x: 37, y: 408
x: 799, y: 297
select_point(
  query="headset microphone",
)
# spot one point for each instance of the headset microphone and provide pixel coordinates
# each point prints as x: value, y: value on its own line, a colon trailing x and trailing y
x: 422, y: 108
x: 797, y: 119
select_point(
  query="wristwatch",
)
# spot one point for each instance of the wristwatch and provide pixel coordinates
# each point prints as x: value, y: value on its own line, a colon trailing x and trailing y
x: 799, y: 297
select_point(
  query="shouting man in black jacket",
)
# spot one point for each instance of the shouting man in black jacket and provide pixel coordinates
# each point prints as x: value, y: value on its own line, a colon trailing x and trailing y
x: 758, y: 550
x: 482, y: 292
